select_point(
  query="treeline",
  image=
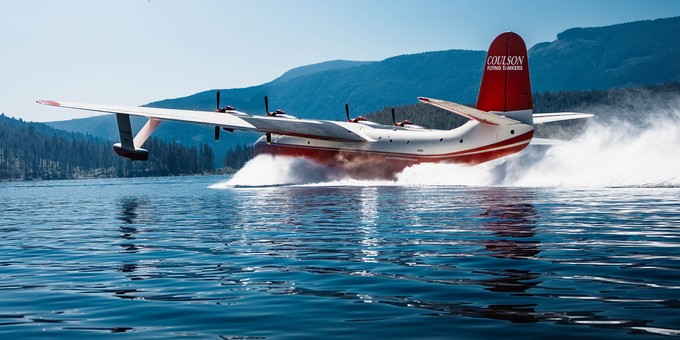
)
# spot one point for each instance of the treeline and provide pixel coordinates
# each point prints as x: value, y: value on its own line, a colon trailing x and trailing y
x: 30, y: 151
x: 628, y: 103
x: 236, y: 157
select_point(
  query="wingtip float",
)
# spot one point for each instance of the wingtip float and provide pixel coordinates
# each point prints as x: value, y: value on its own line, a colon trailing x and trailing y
x: 48, y: 102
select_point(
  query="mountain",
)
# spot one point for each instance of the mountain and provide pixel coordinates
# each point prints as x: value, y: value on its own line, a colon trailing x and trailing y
x: 630, y: 54
x: 624, y: 55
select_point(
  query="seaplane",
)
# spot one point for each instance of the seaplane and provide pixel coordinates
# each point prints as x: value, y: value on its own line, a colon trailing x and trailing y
x: 501, y: 124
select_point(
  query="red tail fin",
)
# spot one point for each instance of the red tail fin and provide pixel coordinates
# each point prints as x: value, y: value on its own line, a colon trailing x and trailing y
x: 505, y: 83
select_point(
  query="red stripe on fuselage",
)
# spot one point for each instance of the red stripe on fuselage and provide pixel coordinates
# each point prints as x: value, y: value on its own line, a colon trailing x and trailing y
x: 514, y: 140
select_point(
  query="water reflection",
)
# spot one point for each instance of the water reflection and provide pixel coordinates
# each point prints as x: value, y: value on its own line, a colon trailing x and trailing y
x: 130, y: 219
x: 511, y: 217
x: 370, y: 238
x: 511, y: 281
x: 128, y: 216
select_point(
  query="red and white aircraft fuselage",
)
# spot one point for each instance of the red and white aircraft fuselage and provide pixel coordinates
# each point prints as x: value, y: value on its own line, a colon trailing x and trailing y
x: 393, y: 148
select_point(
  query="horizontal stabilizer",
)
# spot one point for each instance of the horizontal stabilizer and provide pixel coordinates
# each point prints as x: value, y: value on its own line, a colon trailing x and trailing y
x: 540, y: 118
x: 469, y: 112
x: 545, y: 141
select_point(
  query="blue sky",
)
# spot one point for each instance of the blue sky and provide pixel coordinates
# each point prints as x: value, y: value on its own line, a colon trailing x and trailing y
x: 131, y: 52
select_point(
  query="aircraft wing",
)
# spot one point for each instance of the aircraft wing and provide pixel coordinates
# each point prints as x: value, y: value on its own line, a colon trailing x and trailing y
x: 469, y: 112
x: 319, y: 129
x: 540, y: 118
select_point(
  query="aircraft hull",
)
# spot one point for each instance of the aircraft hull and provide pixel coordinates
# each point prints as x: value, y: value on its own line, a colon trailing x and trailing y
x: 362, y: 162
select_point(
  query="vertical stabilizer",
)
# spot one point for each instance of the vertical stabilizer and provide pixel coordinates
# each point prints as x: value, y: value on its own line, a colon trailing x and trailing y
x: 505, y: 83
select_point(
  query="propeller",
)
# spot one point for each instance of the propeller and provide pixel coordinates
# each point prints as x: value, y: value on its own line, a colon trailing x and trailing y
x: 394, y: 121
x: 347, y: 111
x: 266, y: 108
x: 266, y: 105
x: 217, y: 128
x: 217, y: 109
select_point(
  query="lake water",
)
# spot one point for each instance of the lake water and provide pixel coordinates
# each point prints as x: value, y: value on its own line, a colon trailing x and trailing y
x: 196, y: 257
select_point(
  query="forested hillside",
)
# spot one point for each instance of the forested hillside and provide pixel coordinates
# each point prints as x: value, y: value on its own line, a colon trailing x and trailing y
x: 623, y: 55
x: 31, y: 151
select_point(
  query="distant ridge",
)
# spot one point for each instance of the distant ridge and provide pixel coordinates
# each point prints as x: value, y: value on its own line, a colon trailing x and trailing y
x: 316, y: 68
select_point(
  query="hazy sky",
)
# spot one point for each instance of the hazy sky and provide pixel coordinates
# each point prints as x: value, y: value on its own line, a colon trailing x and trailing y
x: 131, y: 52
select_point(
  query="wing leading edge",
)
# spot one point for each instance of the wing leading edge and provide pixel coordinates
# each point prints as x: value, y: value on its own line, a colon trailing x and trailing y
x: 319, y: 129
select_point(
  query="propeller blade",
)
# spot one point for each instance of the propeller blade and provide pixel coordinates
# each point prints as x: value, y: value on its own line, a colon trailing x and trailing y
x: 347, y: 110
x: 217, y: 99
x: 269, y: 137
x: 266, y: 104
x: 217, y: 133
x: 394, y: 121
